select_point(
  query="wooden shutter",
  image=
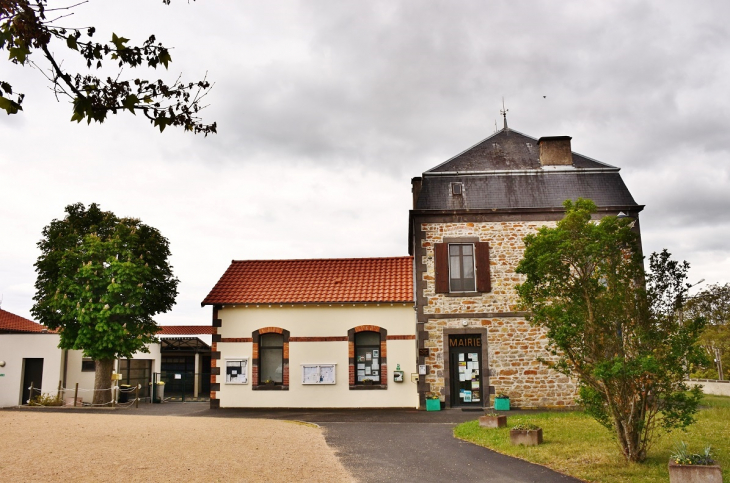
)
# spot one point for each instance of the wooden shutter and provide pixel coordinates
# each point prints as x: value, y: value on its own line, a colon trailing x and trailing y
x: 441, y: 266
x: 484, y: 277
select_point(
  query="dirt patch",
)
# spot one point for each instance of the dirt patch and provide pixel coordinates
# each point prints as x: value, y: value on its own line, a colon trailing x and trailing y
x: 110, y: 447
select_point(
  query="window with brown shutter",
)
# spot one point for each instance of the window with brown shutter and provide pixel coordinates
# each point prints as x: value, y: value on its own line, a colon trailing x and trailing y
x: 461, y: 266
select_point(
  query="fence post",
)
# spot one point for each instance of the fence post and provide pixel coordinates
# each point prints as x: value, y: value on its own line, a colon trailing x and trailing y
x: 30, y: 398
x: 76, y: 393
x: 60, y: 385
x: 114, y: 400
x: 136, y: 397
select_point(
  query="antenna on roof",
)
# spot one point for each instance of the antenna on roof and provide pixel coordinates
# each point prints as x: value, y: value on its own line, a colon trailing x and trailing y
x: 503, y: 112
x: 495, y: 126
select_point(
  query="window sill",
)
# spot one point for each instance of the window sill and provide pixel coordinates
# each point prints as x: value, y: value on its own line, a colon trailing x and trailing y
x: 363, y: 387
x: 464, y: 294
x: 275, y: 387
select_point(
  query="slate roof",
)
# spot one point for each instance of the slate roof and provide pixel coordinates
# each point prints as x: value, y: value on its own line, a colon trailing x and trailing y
x: 506, y: 149
x: 541, y: 190
x: 185, y: 329
x: 11, y: 323
x: 315, y: 280
x: 504, y: 172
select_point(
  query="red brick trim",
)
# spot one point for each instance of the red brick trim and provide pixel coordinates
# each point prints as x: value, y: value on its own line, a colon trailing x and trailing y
x: 318, y: 339
x: 401, y: 337
x: 237, y: 339
x: 269, y: 330
x: 367, y: 328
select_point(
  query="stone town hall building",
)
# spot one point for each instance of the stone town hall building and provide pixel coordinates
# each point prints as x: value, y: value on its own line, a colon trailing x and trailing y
x: 469, y: 217
x: 342, y: 332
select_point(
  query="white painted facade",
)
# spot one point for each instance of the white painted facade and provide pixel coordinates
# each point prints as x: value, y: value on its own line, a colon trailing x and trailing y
x: 16, y: 347
x: 85, y: 379
x: 313, y: 321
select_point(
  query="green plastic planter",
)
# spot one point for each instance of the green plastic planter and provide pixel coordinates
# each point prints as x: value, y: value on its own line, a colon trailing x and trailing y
x: 501, y: 404
x: 433, y: 405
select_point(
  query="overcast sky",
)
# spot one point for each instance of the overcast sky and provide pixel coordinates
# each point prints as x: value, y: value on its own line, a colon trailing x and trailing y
x: 326, y: 109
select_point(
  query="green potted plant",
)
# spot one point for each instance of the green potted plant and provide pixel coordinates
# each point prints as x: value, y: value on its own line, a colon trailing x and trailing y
x: 527, y: 433
x: 501, y: 402
x: 269, y: 382
x: 367, y: 381
x: 433, y: 401
x: 686, y: 467
x: 492, y: 419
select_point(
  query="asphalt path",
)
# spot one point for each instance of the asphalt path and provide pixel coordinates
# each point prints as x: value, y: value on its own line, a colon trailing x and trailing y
x: 389, y: 445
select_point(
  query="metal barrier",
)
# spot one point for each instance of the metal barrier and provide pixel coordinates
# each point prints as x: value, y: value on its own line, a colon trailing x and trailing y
x: 181, y: 386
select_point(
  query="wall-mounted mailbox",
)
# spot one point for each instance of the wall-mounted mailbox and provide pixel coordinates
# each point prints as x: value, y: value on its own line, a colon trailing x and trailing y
x: 397, y: 376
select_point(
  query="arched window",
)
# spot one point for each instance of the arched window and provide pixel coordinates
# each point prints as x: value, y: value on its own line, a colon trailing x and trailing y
x: 271, y: 354
x: 270, y: 359
x: 367, y: 357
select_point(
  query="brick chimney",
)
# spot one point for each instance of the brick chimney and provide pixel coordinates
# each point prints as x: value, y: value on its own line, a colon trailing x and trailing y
x: 555, y: 151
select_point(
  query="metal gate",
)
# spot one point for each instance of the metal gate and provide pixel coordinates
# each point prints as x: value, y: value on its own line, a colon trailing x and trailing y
x: 182, y: 386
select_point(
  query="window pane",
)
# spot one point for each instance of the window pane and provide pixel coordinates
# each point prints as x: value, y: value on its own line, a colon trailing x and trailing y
x: 272, y: 340
x: 454, y: 250
x: 467, y: 249
x: 271, y: 365
x: 455, y: 269
x: 367, y: 357
x: 468, y: 267
x: 367, y: 338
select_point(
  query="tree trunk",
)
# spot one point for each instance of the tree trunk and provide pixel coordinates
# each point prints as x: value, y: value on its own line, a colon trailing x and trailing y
x: 103, y: 381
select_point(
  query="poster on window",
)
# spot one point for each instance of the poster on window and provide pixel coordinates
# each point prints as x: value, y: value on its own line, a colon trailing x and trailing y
x: 237, y: 371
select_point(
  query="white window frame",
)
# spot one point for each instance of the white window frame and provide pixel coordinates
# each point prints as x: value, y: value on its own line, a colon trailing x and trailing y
x: 243, y: 374
x: 473, y: 261
x: 319, y: 367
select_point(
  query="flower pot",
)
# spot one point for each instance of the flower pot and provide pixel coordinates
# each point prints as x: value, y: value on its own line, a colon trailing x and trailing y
x: 528, y: 437
x: 367, y: 382
x: 433, y: 405
x: 493, y: 421
x: 501, y: 404
x: 694, y: 473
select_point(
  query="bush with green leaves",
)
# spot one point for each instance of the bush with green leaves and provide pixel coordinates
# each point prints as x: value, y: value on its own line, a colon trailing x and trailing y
x: 617, y: 330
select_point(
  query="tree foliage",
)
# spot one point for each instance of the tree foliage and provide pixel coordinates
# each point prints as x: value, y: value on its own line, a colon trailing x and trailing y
x: 30, y: 27
x: 100, y: 280
x: 713, y: 304
x: 614, y: 328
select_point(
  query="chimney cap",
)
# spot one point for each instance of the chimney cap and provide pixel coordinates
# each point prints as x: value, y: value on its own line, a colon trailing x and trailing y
x: 554, y: 138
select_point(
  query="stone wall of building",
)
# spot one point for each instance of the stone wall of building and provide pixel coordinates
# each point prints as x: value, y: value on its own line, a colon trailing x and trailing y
x: 513, y: 348
x: 513, y: 344
x: 505, y: 252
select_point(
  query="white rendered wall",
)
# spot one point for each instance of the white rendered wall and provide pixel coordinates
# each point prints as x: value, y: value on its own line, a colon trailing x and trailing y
x: 86, y: 379
x: 16, y: 347
x: 716, y: 388
x: 319, y: 321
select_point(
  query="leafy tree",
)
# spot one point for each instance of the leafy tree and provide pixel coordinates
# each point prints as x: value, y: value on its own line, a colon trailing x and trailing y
x: 713, y: 304
x: 30, y: 26
x: 614, y: 328
x: 100, y: 280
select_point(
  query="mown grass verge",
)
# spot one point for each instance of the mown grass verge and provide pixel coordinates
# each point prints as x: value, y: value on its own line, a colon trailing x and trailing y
x: 576, y: 445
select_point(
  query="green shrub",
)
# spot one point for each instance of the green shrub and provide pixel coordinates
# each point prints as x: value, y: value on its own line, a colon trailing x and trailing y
x: 47, y: 399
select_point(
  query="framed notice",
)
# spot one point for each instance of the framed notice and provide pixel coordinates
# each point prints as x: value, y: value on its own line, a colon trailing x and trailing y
x: 237, y: 371
x: 318, y: 373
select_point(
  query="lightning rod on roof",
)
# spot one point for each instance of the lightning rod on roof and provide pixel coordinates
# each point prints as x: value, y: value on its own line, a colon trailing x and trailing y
x: 503, y: 112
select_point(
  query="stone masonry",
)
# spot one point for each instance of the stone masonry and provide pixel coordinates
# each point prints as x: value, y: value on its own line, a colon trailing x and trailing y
x: 514, y: 346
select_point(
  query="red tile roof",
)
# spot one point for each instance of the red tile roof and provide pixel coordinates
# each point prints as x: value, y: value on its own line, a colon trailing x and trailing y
x: 317, y: 280
x: 185, y: 329
x: 14, y: 323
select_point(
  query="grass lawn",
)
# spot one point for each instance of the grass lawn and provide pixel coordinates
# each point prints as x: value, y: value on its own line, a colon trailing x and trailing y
x: 576, y: 445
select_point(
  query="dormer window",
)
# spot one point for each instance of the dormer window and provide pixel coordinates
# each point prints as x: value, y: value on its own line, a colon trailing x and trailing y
x: 457, y: 189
